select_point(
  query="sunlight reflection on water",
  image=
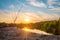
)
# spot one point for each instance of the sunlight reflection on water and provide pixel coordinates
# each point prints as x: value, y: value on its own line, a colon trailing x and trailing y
x: 36, y: 31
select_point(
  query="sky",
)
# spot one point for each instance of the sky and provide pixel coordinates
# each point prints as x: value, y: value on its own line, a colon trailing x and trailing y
x: 36, y: 10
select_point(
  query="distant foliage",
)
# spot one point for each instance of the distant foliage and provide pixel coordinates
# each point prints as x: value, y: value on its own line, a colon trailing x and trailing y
x: 47, y: 26
x: 50, y: 26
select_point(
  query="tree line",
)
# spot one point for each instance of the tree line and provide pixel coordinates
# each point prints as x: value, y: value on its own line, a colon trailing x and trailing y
x: 52, y: 26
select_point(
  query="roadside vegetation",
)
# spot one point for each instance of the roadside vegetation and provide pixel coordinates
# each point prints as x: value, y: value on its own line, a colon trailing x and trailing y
x: 47, y: 26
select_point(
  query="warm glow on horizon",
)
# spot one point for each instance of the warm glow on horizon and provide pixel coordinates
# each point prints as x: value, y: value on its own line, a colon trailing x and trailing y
x: 26, y: 29
x: 27, y: 20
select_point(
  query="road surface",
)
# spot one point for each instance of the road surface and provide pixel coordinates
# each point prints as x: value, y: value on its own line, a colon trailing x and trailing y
x: 14, y: 33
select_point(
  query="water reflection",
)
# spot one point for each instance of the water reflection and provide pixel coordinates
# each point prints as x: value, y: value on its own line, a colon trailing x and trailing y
x: 35, y: 31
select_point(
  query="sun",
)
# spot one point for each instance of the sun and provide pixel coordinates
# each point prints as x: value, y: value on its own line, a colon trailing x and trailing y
x: 27, y: 20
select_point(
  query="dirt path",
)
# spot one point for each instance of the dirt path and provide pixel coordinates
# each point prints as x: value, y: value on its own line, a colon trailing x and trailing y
x: 14, y: 33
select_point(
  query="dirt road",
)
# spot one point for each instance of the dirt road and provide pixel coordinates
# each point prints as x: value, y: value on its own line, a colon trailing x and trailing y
x: 14, y: 33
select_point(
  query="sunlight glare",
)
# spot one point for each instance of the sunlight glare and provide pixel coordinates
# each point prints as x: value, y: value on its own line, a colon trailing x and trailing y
x: 26, y: 29
x: 27, y: 20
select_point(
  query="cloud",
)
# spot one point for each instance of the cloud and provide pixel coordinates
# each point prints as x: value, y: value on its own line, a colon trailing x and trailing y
x: 7, y: 16
x: 54, y: 5
x: 56, y: 9
x: 35, y: 17
x: 12, y: 6
x: 36, y: 3
x: 48, y: 16
x: 51, y: 4
x: 40, y: 16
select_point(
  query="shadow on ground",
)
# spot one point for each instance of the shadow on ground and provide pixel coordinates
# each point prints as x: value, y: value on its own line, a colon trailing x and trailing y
x: 14, y: 33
